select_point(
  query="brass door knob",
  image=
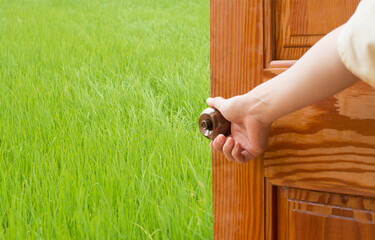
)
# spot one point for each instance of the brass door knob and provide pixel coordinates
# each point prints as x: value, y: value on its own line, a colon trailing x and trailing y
x: 212, y: 123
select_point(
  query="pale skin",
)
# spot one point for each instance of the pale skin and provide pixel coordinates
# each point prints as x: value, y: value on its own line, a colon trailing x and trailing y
x: 318, y: 75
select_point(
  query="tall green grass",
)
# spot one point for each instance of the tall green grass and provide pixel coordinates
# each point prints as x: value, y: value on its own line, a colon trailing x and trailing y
x: 98, y: 119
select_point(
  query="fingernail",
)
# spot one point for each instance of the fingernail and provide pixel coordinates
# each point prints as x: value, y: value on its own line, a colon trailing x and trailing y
x: 221, y: 138
x: 209, y: 100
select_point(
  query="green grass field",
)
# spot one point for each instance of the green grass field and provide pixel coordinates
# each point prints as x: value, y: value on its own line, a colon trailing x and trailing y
x: 99, y: 103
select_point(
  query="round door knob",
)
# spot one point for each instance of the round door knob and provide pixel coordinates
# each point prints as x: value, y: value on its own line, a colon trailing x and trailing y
x: 212, y: 123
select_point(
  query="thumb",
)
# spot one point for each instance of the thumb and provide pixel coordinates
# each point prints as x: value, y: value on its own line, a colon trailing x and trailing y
x: 216, y: 102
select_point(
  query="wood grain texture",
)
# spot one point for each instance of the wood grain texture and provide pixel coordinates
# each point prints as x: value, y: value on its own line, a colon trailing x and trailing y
x: 326, y: 146
x: 236, y: 67
x: 301, y: 23
x: 331, y: 142
x: 269, y: 32
x: 271, y: 211
x: 310, y: 215
x: 329, y: 146
x: 281, y: 64
x: 334, y: 199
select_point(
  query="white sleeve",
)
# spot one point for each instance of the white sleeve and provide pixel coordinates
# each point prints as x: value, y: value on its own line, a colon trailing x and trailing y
x: 356, y: 42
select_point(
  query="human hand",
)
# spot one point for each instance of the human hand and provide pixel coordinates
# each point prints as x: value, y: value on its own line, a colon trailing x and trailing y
x: 249, y: 132
x: 301, y: 85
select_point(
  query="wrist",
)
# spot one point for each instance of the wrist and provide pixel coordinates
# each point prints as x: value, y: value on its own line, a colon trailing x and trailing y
x: 275, y: 98
x: 258, y: 107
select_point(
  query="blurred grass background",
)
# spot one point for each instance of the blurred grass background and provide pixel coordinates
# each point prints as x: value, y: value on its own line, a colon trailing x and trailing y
x: 99, y: 103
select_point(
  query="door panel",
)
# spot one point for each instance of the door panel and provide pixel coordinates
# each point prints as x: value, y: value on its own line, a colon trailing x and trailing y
x: 309, y: 215
x: 316, y: 180
x: 327, y: 147
x: 331, y: 143
x: 301, y: 23
x: 236, y: 67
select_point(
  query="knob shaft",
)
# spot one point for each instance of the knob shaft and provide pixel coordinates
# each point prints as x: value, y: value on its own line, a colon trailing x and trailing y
x: 212, y: 123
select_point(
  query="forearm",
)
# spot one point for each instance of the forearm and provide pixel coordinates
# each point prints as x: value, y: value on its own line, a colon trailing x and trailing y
x: 318, y: 75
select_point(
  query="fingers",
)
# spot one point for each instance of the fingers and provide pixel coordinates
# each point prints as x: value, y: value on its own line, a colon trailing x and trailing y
x: 247, y: 156
x: 218, y: 143
x: 231, y: 149
x: 237, y: 153
x: 228, y: 148
x: 241, y: 155
x: 216, y: 102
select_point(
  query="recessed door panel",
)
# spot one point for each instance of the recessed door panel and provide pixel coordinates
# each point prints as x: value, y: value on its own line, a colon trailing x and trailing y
x: 310, y: 215
x: 301, y: 23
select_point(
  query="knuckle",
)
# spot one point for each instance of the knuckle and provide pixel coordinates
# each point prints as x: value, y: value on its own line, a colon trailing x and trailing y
x: 240, y: 161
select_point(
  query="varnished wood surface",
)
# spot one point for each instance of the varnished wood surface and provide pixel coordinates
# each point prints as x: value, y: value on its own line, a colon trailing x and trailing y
x: 301, y: 23
x: 271, y: 211
x: 319, y: 186
x: 331, y: 142
x: 310, y: 215
x: 326, y: 146
x: 269, y: 32
x: 236, y: 67
x: 281, y: 64
x: 334, y: 199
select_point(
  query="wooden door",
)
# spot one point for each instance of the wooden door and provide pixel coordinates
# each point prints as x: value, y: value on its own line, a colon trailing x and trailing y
x: 317, y: 177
